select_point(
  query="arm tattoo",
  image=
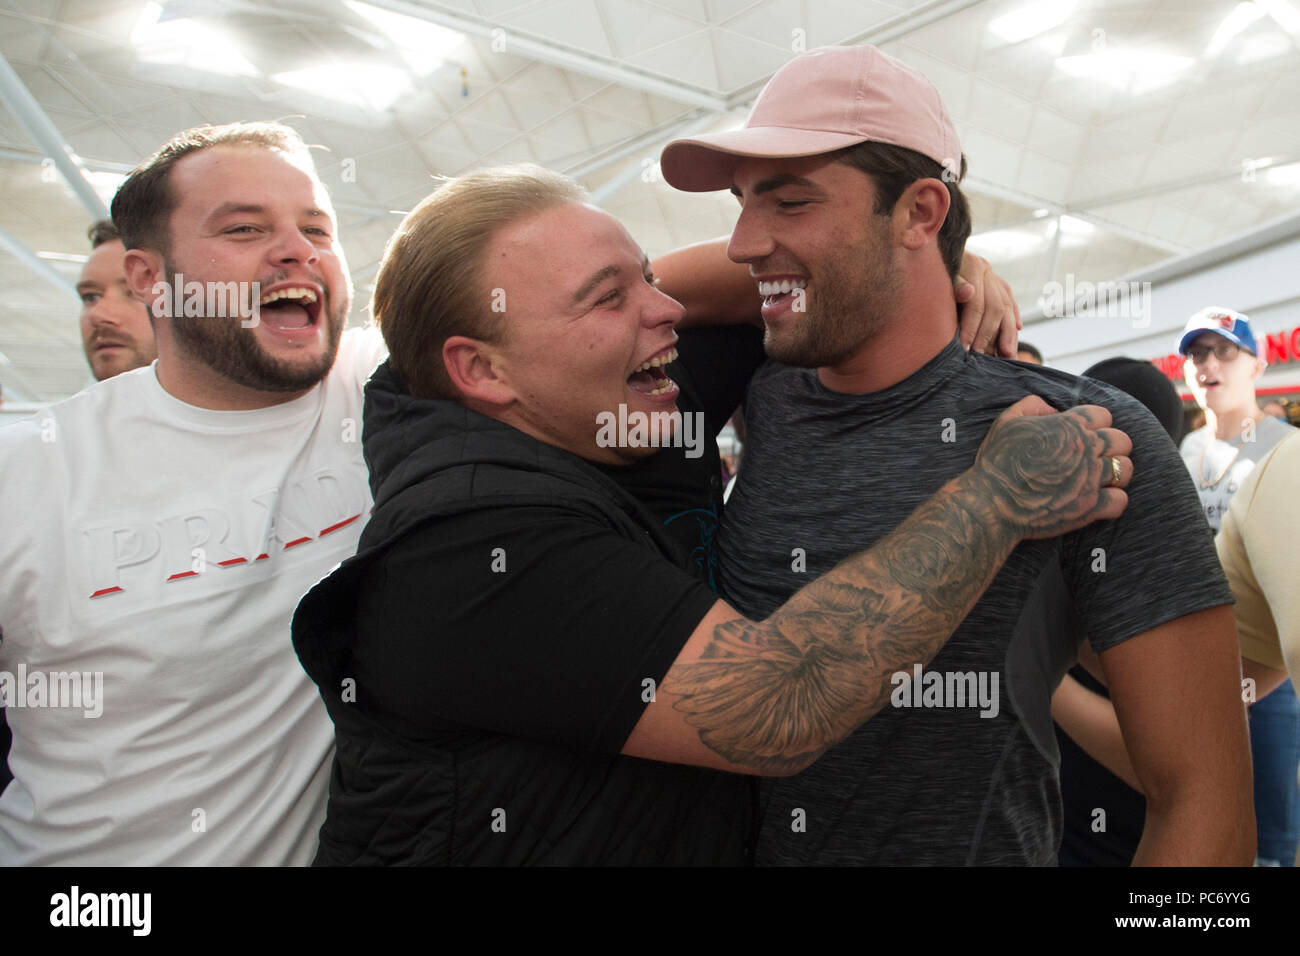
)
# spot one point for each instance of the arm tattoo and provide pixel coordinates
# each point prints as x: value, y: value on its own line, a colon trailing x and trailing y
x: 773, y: 696
x: 764, y: 695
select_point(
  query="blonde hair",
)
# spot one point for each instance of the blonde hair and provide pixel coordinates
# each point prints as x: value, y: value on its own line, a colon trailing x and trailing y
x: 429, y: 286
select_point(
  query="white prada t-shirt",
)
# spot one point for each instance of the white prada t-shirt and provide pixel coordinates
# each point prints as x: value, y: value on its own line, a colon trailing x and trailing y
x: 151, y: 557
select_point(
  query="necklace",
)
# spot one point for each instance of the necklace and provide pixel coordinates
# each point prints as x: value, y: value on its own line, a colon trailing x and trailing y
x: 1200, y: 467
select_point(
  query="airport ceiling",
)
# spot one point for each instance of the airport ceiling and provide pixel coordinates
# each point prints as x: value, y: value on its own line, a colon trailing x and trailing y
x: 1102, y: 136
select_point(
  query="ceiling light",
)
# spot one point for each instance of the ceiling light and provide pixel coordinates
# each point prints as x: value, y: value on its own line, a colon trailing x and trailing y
x: 1000, y: 245
x: 1241, y: 16
x: 1032, y: 19
x: 1040, y: 213
x: 1288, y: 175
x: 369, y: 87
x: 1131, y: 71
x: 105, y: 184
x: 423, y: 45
x: 183, y: 42
x: 1074, y: 232
x: 1070, y: 226
x: 1285, y: 15
x: 1262, y: 46
x: 63, y: 256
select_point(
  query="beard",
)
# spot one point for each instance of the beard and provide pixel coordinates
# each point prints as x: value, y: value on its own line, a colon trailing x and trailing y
x: 233, y: 352
x: 849, y: 302
x: 138, y: 357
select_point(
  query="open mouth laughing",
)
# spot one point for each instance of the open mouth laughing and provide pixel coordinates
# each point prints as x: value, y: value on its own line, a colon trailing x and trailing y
x: 649, y: 378
x: 290, y: 307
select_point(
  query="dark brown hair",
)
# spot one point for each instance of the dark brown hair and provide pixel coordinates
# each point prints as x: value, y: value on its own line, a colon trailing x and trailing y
x: 102, y: 231
x: 144, y: 203
x: 894, y: 168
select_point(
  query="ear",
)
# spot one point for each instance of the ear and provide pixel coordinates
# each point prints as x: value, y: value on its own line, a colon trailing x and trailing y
x: 475, y: 368
x: 147, y: 279
x: 1260, y: 368
x: 920, y: 212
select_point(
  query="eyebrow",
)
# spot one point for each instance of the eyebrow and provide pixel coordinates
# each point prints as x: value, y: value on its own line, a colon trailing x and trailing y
x: 235, y: 208
x: 588, y: 287
x: 776, y: 182
x: 96, y: 284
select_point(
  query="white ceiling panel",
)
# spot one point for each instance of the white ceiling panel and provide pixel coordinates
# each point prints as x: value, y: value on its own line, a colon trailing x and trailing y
x: 571, y: 23
x: 1153, y: 160
x: 634, y: 27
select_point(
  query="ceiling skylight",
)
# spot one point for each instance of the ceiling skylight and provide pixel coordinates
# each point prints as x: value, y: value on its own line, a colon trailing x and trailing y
x: 1032, y: 19
x: 1130, y: 71
x: 369, y: 87
x: 424, y: 46
x: 180, y: 41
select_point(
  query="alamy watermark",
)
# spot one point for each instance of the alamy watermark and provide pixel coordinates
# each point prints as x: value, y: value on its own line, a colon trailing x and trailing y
x: 128, y: 910
x: 922, y: 688
x: 53, y: 689
x: 215, y: 300
x: 639, y: 429
x: 1102, y: 300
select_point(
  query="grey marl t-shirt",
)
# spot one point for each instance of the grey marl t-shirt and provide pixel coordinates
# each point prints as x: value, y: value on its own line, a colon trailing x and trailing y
x: 831, y: 474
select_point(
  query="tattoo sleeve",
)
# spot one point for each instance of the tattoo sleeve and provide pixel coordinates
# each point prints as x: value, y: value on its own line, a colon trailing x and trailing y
x: 773, y: 696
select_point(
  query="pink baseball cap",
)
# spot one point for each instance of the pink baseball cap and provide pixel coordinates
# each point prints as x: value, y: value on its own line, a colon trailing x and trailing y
x: 821, y: 101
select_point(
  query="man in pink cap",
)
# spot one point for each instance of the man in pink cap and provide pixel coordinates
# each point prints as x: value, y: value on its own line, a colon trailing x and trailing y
x: 852, y: 223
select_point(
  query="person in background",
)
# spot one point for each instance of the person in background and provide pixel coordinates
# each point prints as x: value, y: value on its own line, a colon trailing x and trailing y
x: 1027, y: 353
x: 115, y: 330
x: 1221, y: 368
x: 1081, y: 705
x: 1276, y: 410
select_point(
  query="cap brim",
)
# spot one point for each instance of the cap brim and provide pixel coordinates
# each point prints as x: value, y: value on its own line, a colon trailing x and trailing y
x: 707, y: 163
x: 1189, y: 337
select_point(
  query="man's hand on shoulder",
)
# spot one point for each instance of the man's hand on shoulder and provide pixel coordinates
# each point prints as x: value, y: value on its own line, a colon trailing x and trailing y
x: 989, y: 319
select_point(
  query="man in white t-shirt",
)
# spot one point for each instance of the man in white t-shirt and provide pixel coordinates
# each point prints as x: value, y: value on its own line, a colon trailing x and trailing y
x: 160, y: 527
x: 1222, y: 364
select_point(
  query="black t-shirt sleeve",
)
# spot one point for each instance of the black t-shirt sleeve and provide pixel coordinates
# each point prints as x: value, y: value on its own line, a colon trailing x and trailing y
x: 533, y: 622
x: 1157, y: 561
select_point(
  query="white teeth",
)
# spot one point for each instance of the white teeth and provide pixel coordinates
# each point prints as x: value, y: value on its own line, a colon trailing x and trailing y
x: 667, y: 386
x: 306, y: 295
x: 656, y: 362
x: 766, y: 289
